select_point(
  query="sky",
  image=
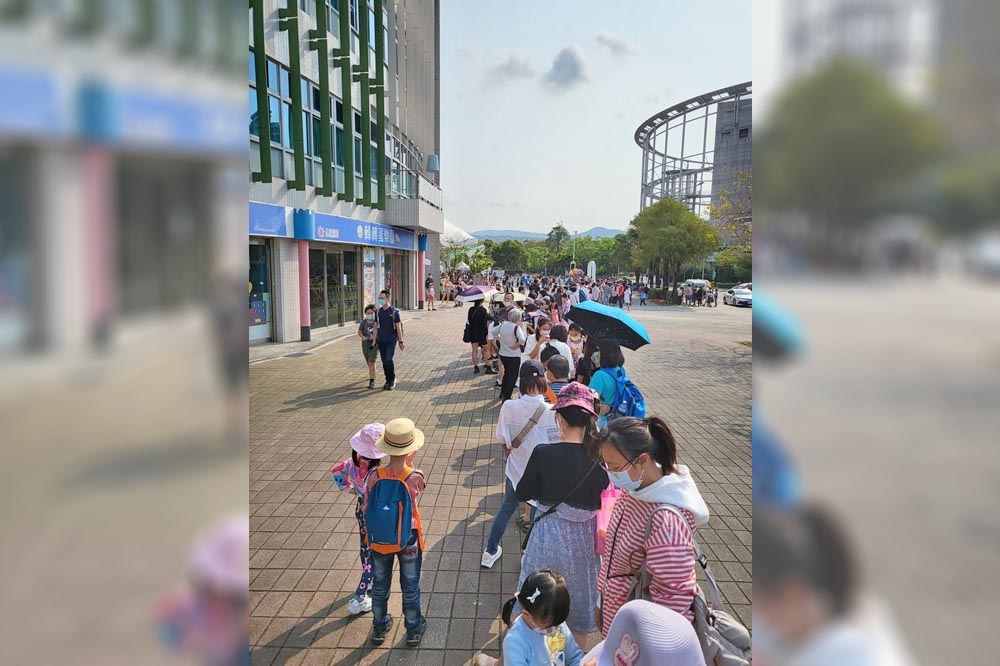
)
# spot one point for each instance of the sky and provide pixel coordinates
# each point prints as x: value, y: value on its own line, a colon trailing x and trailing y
x: 540, y: 100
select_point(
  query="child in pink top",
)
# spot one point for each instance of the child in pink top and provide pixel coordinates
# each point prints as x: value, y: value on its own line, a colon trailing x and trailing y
x: 350, y: 474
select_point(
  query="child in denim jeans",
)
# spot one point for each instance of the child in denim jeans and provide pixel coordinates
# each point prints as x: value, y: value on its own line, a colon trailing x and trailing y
x: 350, y: 474
x: 400, y: 442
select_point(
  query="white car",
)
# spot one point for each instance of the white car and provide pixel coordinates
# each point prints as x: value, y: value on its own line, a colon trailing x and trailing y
x: 738, y: 297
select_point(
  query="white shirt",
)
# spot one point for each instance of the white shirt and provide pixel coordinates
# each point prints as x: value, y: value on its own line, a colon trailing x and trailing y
x: 565, y: 352
x: 574, y: 297
x: 511, y: 338
x: 595, y: 293
x: 514, y: 415
x: 628, y: 294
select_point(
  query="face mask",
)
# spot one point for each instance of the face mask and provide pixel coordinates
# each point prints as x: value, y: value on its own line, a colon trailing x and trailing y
x: 622, y: 481
x: 596, y: 358
x: 381, y: 301
x: 548, y: 633
x: 575, y: 338
x: 370, y: 317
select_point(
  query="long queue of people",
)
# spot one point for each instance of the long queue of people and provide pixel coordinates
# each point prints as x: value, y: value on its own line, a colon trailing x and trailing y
x: 634, y: 580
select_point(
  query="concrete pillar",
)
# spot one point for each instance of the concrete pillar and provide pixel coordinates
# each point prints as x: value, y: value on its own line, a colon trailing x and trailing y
x: 304, y: 320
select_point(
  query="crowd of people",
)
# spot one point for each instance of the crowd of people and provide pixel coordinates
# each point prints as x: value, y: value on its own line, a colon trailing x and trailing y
x: 567, y: 416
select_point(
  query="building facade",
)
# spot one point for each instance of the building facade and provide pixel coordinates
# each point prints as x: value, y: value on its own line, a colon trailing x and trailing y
x: 345, y: 195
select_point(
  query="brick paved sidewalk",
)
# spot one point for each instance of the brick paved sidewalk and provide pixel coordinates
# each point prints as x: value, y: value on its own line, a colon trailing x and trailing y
x: 304, y: 543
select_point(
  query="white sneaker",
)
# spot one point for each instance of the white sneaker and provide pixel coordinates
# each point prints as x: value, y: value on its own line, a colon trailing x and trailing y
x: 485, y: 660
x: 355, y: 607
x: 489, y: 560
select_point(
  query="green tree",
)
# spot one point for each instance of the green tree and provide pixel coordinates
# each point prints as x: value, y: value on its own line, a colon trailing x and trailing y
x: 452, y: 251
x: 734, y: 264
x: 669, y: 236
x: 558, y: 238
x: 509, y: 255
x: 838, y: 144
x: 535, y: 258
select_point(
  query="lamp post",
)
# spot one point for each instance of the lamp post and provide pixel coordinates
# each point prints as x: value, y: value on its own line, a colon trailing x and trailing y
x: 575, y: 232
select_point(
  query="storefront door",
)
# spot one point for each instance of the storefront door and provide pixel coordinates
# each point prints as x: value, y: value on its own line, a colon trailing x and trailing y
x: 333, y: 287
x: 260, y: 291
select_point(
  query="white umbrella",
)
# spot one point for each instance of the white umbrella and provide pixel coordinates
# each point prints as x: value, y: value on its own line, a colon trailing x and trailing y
x: 462, y: 266
x: 518, y: 297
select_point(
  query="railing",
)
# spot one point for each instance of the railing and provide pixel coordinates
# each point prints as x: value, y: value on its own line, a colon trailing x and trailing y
x: 430, y: 192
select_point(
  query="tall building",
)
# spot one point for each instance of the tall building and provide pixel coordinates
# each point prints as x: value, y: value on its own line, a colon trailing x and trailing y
x: 732, y: 160
x: 344, y: 160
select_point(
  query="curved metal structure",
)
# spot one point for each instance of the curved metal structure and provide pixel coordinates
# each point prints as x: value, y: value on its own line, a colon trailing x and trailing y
x: 691, y: 150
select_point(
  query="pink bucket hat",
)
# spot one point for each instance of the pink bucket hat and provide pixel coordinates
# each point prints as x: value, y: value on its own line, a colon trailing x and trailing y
x: 576, y: 394
x: 645, y: 634
x: 364, y: 441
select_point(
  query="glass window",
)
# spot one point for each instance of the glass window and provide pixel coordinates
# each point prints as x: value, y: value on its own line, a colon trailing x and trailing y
x: 254, y: 156
x: 286, y: 83
x: 277, y: 163
x: 286, y: 124
x: 305, y: 133
x: 354, y: 15
x: 338, y: 139
x: 357, y: 155
x: 357, y: 122
x: 260, y: 293
x: 340, y: 113
x: 316, y: 142
x: 315, y: 98
x: 272, y: 75
x: 254, y: 120
x: 371, y: 25
x: 305, y: 94
x: 253, y: 68
x: 274, y: 107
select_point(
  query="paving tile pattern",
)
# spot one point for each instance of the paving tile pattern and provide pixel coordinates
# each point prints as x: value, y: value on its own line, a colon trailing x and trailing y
x: 304, y: 555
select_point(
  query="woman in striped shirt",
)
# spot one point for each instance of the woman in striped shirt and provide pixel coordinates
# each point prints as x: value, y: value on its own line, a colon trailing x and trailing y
x: 640, y: 458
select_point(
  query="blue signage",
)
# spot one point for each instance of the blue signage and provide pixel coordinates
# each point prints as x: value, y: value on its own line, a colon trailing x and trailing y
x: 33, y: 103
x: 310, y: 225
x: 267, y: 220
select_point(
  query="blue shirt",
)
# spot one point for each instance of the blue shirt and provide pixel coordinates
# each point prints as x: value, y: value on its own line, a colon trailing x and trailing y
x: 524, y: 647
x: 387, y: 320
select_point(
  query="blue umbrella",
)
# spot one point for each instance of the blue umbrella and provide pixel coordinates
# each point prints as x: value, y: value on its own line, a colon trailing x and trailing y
x: 604, y: 321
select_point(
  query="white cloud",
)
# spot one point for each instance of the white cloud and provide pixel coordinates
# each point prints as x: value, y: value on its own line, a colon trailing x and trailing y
x: 514, y: 67
x: 618, y: 46
x: 569, y: 69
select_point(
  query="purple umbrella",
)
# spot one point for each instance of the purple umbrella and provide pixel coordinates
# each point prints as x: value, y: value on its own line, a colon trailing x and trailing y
x: 477, y: 293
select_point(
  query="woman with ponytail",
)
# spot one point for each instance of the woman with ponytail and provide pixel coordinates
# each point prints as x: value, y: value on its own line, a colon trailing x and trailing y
x: 566, y: 485
x: 640, y: 457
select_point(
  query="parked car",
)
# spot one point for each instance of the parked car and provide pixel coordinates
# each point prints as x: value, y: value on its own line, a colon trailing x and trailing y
x: 738, y: 297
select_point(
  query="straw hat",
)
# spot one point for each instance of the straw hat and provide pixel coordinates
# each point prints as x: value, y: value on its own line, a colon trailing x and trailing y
x: 400, y: 438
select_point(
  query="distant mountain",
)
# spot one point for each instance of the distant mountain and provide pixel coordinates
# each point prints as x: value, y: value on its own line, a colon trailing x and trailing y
x: 499, y: 236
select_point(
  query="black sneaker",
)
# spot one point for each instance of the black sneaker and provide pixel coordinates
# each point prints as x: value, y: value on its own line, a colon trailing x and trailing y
x: 476, y: 371
x: 413, y: 637
x: 385, y: 387
x: 378, y: 633
x: 371, y: 383
x: 490, y: 371
x: 497, y: 385
x: 390, y: 386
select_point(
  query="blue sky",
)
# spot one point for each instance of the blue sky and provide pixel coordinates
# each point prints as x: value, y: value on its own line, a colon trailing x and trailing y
x: 540, y: 99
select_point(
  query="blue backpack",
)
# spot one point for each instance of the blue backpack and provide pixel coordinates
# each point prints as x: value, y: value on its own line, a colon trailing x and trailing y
x: 628, y: 398
x: 389, y: 512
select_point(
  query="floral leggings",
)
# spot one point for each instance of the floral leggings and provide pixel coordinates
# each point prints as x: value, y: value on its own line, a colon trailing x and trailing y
x: 366, y: 556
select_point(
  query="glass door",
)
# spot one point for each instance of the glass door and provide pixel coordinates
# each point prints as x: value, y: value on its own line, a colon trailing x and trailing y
x: 260, y: 292
x: 317, y: 289
x: 351, y: 313
x: 334, y: 289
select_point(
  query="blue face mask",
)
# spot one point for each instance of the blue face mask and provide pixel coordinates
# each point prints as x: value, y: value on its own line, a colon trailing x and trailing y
x: 381, y: 301
x: 622, y: 481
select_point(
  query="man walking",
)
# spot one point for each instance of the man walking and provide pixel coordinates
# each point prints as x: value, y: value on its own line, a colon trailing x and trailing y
x: 388, y: 331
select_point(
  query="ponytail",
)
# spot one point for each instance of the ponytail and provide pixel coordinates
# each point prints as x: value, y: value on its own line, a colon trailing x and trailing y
x: 665, y: 448
x: 632, y: 437
x: 508, y: 609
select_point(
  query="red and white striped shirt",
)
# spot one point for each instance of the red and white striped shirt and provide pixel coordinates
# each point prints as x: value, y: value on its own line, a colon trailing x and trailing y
x: 669, y: 557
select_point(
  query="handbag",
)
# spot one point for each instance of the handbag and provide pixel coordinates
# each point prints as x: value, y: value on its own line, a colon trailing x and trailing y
x: 466, y: 335
x: 724, y: 640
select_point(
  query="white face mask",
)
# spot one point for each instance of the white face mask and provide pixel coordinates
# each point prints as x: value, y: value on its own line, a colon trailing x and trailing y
x: 548, y: 633
x: 622, y: 481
